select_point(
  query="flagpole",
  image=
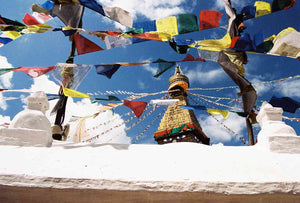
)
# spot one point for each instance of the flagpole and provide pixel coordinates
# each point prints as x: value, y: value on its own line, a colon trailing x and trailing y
x: 58, y: 131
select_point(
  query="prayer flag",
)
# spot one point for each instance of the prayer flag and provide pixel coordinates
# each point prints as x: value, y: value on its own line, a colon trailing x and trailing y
x: 107, y: 70
x: 193, y: 107
x: 13, y: 34
x: 287, y: 43
x: 5, y: 70
x: 30, y: 20
x: 278, y: 5
x: 148, y: 26
x: 4, y: 39
x: 69, y: 13
x: 209, y: 19
x: 53, y: 96
x: 92, y: 4
x: 35, y: 72
x: 73, y: 93
x: 41, y: 17
x: 189, y: 57
x: 137, y: 107
x: 163, y: 66
x: 110, y: 98
x: 10, y: 22
x: 217, y: 111
x: 248, y: 12
x: 187, y: 23
x: 83, y: 45
x: 113, y: 42
x: 214, y: 45
x: 286, y: 103
x: 167, y: 102
x: 262, y: 8
x: 181, y: 49
x: 119, y: 15
x: 167, y: 25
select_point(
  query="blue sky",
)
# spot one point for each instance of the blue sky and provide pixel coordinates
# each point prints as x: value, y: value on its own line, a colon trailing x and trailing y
x: 50, y: 48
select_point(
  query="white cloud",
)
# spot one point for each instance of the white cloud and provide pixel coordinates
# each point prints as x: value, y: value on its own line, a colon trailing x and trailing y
x: 290, y: 88
x: 150, y: 69
x: 5, y: 80
x: 154, y: 9
x: 217, y: 133
x: 84, y: 108
x: 197, y: 75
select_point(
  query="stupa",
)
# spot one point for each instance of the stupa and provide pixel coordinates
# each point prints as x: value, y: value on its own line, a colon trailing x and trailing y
x: 177, y: 124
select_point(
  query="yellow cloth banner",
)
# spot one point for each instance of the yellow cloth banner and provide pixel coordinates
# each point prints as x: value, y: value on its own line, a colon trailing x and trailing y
x: 214, y: 44
x: 216, y: 112
x: 167, y: 25
x: 13, y: 34
x: 262, y: 8
x: 73, y: 93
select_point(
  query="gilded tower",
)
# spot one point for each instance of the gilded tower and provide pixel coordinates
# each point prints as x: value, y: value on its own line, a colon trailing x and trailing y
x: 177, y: 124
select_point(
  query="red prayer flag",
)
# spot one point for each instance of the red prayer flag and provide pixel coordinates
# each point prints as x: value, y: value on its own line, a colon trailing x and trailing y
x: 234, y: 40
x: 189, y: 57
x: 209, y: 19
x: 136, y: 106
x: 30, y: 20
x: 84, y: 45
x: 35, y: 72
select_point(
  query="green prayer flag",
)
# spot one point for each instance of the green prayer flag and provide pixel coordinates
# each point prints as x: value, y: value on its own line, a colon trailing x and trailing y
x: 187, y: 23
x: 163, y: 66
x: 6, y: 70
x: 110, y: 98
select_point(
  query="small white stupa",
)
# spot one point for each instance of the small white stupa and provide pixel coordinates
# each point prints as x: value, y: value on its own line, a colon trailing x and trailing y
x: 30, y: 127
x: 276, y: 135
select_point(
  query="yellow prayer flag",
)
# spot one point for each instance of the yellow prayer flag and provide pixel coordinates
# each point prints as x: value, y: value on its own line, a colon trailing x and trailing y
x: 73, y: 93
x: 40, y: 28
x: 217, y: 111
x: 167, y: 25
x: 214, y: 44
x: 13, y: 34
x: 262, y: 8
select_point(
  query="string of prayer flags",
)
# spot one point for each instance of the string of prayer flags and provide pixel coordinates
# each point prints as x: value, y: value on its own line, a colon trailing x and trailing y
x: 136, y: 106
x: 286, y: 103
x: 167, y: 102
x: 110, y: 98
x: 73, y: 93
x: 209, y: 19
x: 35, y: 72
x: 217, y: 111
x: 84, y: 45
x: 107, y: 70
